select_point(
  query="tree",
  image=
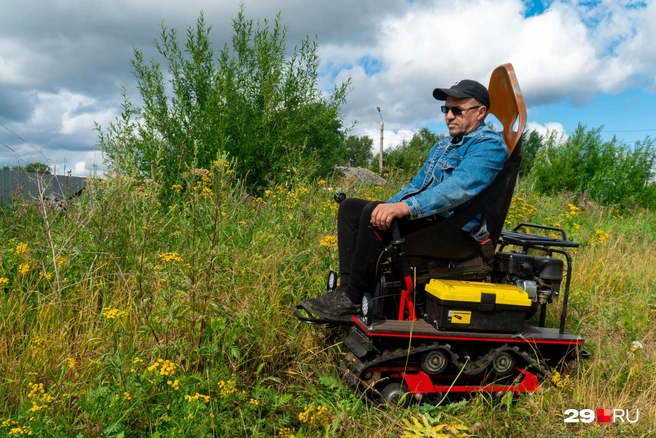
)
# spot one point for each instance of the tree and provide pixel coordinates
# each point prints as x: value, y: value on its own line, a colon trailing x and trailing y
x: 359, y: 151
x: 410, y: 156
x: 611, y: 171
x: 256, y: 103
x: 531, y: 145
x: 37, y: 167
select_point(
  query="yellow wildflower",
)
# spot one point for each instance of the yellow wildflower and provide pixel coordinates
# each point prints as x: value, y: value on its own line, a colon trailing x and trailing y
x: 8, y: 423
x: 329, y: 242
x: 601, y: 235
x: 40, y: 398
x: 61, y: 261
x: 175, y: 384
x: 114, y: 313
x: 127, y: 396
x: 23, y: 268
x: 197, y: 396
x: 254, y: 402
x: 227, y: 387
x: 72, y: 363
x: 21, y: 249
x: 170, y: 256
x: 315, y: 417
x: 285, y: 432
x: 4, y: 281
x: 166, y: 367
x: 20, y: 430
x: 321, y: 182
x: 559, y: 382
x: 224, y: 214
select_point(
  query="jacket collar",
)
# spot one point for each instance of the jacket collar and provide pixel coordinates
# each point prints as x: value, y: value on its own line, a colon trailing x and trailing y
x: 467, y: 136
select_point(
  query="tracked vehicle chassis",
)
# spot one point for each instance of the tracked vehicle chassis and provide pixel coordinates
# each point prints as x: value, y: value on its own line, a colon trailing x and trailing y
x: 391, y: 358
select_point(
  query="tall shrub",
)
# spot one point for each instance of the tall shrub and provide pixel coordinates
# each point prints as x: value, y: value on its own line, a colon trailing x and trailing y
x: 610, y: 171
x: 254, y: 101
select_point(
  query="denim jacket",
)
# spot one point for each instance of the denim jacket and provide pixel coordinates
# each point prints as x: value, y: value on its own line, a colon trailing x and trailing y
x: 454, y: 173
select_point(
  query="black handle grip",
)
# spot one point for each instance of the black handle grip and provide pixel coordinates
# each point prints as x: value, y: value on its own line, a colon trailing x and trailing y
x: 396, y: 233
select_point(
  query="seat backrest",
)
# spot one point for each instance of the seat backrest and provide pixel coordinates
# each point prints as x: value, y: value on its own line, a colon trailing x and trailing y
x: 446, y: 240
x: 507, y: 103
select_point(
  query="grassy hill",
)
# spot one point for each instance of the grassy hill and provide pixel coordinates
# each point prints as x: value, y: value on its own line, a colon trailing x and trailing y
x: 124, y: 317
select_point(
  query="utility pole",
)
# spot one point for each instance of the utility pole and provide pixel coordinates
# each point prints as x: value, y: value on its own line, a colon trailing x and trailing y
x: 382, y: 129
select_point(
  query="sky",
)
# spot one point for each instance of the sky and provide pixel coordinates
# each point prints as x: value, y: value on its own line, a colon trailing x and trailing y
x: 64, y: 63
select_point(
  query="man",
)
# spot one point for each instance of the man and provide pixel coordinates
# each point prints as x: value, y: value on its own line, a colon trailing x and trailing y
x: 457, y: 168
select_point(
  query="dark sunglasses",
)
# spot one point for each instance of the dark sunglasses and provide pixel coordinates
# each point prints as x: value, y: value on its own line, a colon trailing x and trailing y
x: 456, y: 110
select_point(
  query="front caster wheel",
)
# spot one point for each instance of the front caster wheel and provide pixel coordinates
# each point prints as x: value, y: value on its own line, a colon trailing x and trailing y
x: 394, y: 395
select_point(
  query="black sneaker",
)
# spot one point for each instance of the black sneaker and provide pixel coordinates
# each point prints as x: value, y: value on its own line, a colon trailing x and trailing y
x: 332, y: 304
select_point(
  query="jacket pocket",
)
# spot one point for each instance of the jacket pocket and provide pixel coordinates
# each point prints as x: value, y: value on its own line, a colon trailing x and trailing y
x: 445, y: 167
x: 449, y: 163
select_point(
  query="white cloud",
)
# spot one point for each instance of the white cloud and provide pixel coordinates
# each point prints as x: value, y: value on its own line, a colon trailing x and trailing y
x: 60, y: 132
x: 70, y: 58
x: 13, y: 61
x: 80, y: 168
x: 390, y: 138
x: 571, y: 50
x: 69, y: 113
x: 549, y: 129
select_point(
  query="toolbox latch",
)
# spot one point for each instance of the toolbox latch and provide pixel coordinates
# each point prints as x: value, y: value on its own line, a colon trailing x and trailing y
x: 487, y: 302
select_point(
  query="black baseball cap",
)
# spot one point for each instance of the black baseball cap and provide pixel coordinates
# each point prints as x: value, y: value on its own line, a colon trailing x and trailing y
x: 463, y: 89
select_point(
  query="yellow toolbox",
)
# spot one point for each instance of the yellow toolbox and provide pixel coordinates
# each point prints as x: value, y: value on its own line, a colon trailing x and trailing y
x: 475, y: 306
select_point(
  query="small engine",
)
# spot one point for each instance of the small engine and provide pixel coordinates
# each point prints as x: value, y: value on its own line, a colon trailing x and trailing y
x: 539, y: 276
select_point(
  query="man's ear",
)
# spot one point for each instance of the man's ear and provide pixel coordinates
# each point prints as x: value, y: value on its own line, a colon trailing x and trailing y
x: 482, y: 114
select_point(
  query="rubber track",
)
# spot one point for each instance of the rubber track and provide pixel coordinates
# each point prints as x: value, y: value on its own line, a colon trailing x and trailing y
x: 351, y: 368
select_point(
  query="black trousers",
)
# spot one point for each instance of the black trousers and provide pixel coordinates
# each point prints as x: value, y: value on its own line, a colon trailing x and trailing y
x: 360, y: 244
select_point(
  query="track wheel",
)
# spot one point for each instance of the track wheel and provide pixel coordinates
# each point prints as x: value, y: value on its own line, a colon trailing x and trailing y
x: 434, y: 362
x: 393, y: 394
x: 369, y: 378
x: 503, y: 363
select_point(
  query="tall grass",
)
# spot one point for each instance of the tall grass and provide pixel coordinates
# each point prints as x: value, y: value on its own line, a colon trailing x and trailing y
x: 125, y: 317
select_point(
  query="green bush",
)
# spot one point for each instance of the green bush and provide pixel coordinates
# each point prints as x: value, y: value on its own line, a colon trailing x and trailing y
x: 254, y: 101
x: 611, y: 172
x: 410, y: 156
x: 358, y: 151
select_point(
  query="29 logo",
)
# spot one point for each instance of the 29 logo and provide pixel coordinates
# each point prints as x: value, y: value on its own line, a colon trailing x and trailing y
x: 601, y: 416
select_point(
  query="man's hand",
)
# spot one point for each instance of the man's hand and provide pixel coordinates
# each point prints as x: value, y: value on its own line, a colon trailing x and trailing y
x: 383, y: 214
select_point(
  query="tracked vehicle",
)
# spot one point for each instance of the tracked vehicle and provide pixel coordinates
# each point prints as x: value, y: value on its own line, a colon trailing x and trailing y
x: 450, y: 313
